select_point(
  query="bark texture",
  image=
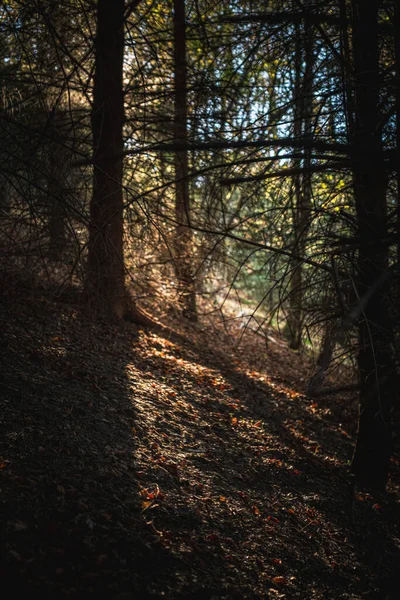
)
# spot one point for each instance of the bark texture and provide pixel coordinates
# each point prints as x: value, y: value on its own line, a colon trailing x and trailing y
x: 106, y: 268
x: 376, y: 369
x: 302, y: 189
x: 183, y: 240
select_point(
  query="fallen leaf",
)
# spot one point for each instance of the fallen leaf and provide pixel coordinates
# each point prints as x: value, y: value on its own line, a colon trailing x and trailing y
x: 19, y: 526
x: 280, y: 580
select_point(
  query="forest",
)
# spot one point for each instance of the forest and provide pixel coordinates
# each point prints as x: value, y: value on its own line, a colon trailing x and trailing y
x: 200, y: 327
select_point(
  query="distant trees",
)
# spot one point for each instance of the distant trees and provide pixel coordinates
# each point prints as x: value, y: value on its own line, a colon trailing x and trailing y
x: 39, y: 132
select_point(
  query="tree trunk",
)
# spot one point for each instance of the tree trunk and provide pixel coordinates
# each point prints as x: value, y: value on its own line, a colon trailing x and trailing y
x: 106, y: 268
x: 376, y: 369
x: 347, y: 76
x: 302, y: 183
x: 397, y: 100
x: 183, y: 239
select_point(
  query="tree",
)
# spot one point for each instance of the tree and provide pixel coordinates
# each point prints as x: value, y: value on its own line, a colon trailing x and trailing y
x: 396, y: 24
x: 302, y: 182
x: 375, y: 361
x: 106, y: 268
x: 183, y: 258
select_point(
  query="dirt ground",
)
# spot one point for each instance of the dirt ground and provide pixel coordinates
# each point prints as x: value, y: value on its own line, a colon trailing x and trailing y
x: 171, y: 464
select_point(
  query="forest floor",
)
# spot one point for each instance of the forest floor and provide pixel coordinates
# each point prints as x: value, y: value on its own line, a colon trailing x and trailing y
x: 168, y: 464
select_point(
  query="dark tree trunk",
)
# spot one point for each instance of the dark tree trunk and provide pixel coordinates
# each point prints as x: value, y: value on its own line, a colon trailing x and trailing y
x: 376, y: 369
x: 397, y: 96
x: 183, y: 239
x: 303, y: 122
x: 294, y: 315
x: 106, y: 268
x: 347, y: 79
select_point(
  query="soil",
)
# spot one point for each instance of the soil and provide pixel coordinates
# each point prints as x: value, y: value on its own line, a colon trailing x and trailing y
x: 174, y: 463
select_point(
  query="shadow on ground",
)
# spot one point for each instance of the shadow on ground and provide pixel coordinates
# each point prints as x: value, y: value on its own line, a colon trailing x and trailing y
x: 151, y: 465
x: 70, y: 513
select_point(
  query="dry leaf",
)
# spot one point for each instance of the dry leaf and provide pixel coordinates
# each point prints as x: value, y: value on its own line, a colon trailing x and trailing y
x: 280, y: 580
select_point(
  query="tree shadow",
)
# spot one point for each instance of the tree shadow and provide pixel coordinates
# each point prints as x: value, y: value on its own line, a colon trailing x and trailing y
x: 318, y: 450
x: 70, y: 506
x: 78, y: 393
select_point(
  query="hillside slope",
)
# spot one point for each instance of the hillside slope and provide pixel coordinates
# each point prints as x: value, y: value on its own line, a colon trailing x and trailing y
x: 163, y: 464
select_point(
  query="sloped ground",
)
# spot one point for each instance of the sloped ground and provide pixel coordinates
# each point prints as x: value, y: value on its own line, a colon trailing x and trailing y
x: 162, y: 464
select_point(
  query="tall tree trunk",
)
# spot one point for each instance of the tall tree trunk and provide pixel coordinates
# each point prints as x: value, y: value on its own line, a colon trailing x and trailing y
x: 347, y: 80
x: 183, y: 239
x: 302, y: 183
x: 106, y: 268
x: 397, y: 100
x: 295, y: 300
x: 396, y: 286
x: 376, y: 369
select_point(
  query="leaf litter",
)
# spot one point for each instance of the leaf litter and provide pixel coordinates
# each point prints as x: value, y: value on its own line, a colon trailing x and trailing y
x: 168, y: 464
